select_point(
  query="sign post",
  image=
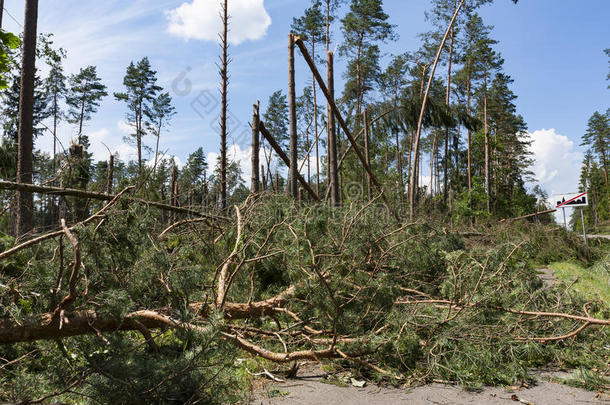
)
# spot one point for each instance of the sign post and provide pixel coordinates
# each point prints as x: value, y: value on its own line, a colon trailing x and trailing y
x: 584, y: 230
x: 573, y: 200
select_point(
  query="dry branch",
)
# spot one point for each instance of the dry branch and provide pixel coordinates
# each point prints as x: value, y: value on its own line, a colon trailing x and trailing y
x: 528, y: 216
x: 282, y: 155
x: 51, y: 235
x: 32, y: 188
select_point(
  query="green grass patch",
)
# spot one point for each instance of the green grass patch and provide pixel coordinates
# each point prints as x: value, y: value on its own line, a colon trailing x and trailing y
x: 592, y: 282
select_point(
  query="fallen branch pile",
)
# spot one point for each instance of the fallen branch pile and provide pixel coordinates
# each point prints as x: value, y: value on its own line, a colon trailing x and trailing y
x: 288, y: 285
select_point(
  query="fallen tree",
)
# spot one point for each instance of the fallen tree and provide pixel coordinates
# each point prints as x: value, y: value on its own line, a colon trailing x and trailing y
x: 288, y: 285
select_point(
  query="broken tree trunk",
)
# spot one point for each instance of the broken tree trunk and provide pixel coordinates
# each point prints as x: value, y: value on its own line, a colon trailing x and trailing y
x: 292, y: 108
x: 109, y: 179
x: 283, y: 156
x: 32, y: 188
x: 255, y: 186
x: 332, y: 135
x: 367, y: 153
x: 342, y: 123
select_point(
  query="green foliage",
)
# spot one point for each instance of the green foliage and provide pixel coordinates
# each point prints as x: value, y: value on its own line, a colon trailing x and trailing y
x: 8, y: 43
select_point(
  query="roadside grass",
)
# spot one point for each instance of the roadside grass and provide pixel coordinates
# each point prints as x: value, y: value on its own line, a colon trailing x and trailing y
x: 592, y: 282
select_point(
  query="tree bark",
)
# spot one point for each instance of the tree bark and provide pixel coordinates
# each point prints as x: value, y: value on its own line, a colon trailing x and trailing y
x: 1, y: 12
x: 367, y: 153
x: 487, y: 145
x: 331, y: 133
x: 292, y: 110
x: 255, y: 186
x: 110, y: 179
x: 25, y: 200
x: 286, y: 160
x: 468, y: 84
x: 223, y: 117
x: 447, y: 101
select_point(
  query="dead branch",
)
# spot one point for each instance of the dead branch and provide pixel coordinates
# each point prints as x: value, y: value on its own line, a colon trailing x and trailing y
x: 51, y: 235
x: 528, y: 216
x: 284, y: 157
x: 181, y: 223
x: 32, y: 188
x: 69, y: 299
x: 223, y: 280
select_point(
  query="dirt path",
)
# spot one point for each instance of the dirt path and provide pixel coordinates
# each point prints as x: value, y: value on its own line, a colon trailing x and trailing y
x: 310, y: 388
x: 547, y: 277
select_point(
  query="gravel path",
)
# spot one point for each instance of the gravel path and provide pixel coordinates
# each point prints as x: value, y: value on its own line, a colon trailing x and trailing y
x: 310, y: 389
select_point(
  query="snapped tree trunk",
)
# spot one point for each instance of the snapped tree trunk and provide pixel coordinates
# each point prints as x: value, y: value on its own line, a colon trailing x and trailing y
x: 223, y: 114
x: 255, y: 187
x: 292, y: 110
x: 25, y: 200
x: 331, y: 133
x: 367, y: 153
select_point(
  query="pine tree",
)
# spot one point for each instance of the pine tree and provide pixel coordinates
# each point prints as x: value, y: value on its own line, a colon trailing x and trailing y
x: 192, y: 176
x: 141, y: 89
x: 56, y: 89
x: 159, y: 114
x: 84, y: 96
x: 363, y: 26
x: 224, y: 77
x: 597, y: 137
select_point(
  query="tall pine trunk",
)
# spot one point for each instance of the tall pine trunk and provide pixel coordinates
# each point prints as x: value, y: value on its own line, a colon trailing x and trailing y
x: 255, y: 188
x: 468, y: 84
x: 447, y: 101
x: 487, y: 154
x: 332, y: 134
x: 292, y: 109
x: 25, y: 200
x: 223, y: 114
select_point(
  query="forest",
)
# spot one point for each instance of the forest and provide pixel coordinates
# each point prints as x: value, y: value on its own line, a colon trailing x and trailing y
x: 391, y: 226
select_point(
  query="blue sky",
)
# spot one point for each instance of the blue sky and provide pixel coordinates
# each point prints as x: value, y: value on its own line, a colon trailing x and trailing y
x: 553, y: 49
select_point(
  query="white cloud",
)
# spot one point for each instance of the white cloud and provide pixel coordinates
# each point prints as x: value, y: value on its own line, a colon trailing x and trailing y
x: 124, y: 127
x: 200, y: 19
x: 556, y: 165
x: 556, y: 161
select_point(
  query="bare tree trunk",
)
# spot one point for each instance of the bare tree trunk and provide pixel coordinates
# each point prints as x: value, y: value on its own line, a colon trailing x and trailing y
x: 487, y: 157
x: 255, y: 187
x: 1, y: 11
x: 264, y: 179
x: 223, y: 117
x: 468, y: 83
x: 447, y: 101
x: 173, y: 191
x: 367, y: 153
x: 315, y: 118
x: 412, y: 191
x: 109, y: 179
x: 138, y: 138
x: 292, y: 107
x: 55, y: 119
x: 331, y: 132
x: 25, y: 200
